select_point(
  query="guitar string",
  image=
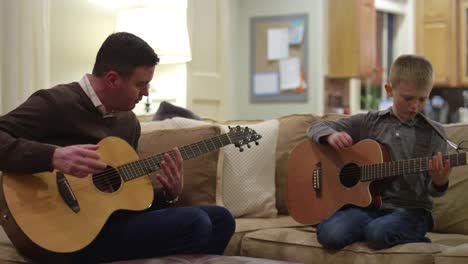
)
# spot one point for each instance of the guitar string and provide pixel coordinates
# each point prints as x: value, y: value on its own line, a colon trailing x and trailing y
x: 348, y: 171
x: 132, y: 166
x: 355, y: 171
x: 102, y: 177
x: 378, y: 171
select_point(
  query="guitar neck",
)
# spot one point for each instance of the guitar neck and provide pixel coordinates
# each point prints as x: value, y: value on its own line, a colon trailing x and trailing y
x: 151, y: 164
x: 379, y: 171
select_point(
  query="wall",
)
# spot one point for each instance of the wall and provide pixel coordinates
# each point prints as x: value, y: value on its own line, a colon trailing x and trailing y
x: 405, y: 37
x: 77, y: 29
x: 25, y: 50
x: 241, y: 108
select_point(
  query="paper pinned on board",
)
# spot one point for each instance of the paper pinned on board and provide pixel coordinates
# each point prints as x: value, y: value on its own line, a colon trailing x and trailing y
x: 266, y: 83
x: 296, y: 31
x: 278, y: 43
x: 290, y: 73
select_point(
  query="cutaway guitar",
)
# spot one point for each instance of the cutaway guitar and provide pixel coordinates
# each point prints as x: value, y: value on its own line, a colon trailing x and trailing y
x: 322, y: 180
x: 59, y: 213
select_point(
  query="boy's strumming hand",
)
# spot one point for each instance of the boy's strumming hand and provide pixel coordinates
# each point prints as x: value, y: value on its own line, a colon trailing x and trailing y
x: 340, y: 140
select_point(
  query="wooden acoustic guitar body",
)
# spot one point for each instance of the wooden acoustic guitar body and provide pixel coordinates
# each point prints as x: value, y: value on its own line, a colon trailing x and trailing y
x: 39, y: 221
x: 317, y: 185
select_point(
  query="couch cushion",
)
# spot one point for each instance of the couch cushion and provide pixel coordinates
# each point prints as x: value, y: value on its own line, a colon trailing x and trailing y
x: 251, y: 224
x: 450, y: 214
x: 249, y: 177
x: 246, y: 225
x: 301, y: 245
x: 147, y: 127
x: 448, y: 239
x: 200, y: 173
x: 8, y: 253
x: 292, y: 131
x: 204, y: 259
x: 453, y: 255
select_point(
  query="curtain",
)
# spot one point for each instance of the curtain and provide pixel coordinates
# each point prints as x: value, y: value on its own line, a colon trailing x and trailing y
x: 24, y: 50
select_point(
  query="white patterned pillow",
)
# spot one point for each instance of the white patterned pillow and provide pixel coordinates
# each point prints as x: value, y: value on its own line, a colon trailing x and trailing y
x: 249, y: 176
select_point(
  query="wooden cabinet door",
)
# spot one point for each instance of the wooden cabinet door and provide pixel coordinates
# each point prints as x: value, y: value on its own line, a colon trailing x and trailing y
x: 368, y: 37
x: 463, y: 56
x: 436, y: 38
x: 436, y: 10
x: 351, y: 38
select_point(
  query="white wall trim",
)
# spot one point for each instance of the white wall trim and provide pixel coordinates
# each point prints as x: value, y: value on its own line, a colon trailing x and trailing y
x: 404, y: 38
x: 391, y: 6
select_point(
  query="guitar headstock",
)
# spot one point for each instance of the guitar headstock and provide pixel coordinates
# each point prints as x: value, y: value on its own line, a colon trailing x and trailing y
x: 241, y: 136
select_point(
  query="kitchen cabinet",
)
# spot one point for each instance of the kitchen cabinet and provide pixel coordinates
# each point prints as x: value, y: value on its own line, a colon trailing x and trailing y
x: 351, y: 38
x: 436, y: 38
x: 463, y: 48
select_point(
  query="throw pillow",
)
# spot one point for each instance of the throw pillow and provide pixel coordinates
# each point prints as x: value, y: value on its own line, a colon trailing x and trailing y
x: 167, y: 110
x: 249, y: 176
x: 200, y: 172
x: 156, y: 125
x: 449, y: 212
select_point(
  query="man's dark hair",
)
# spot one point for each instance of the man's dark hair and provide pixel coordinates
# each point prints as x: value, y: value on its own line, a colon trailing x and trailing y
x: 123, y: 52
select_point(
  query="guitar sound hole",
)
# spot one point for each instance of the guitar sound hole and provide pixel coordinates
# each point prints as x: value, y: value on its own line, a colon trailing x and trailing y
x: 350, y: 175
x: 108, y: 180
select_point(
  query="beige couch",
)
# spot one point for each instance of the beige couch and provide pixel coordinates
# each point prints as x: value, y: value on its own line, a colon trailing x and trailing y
x: 267, y: 231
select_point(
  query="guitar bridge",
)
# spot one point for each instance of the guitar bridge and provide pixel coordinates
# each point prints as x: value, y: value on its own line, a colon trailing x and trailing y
x: 66, y: 192
x: 317, y: 177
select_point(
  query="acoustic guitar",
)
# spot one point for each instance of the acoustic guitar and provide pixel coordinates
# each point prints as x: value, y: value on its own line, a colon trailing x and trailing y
x: 60, y: 213
x: 321, y: 180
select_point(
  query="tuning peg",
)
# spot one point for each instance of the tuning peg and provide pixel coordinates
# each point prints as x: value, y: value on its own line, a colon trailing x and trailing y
x: 248, y: 145
x: 241, y: 149
x: 256, y: 143
x: 229, y: 127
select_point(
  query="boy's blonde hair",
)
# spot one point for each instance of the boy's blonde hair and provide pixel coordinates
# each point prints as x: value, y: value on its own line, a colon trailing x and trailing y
x: 413, y: 69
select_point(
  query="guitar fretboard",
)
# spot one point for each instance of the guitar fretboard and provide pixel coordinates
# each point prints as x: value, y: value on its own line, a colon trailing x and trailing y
x: 380, y: 171
x: 148, y: 165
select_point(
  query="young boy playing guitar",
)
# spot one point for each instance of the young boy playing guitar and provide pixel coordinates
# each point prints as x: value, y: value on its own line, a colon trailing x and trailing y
x: 405, y: 213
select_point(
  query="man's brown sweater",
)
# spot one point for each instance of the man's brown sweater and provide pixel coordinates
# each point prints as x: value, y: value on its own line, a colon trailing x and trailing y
x: 60, y: 116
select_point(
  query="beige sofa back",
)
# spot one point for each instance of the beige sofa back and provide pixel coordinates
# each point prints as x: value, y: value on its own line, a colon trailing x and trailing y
x: 451, y: 210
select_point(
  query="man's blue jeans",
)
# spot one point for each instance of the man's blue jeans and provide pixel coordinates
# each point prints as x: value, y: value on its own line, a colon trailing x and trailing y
x: 150, y: 233
x: 380, y: 228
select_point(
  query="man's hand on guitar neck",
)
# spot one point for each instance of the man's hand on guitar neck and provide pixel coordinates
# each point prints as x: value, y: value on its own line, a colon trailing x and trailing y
x: 172, y: 175
x: 439, y: 170
x: 78, y: 160
x: 339, y: 140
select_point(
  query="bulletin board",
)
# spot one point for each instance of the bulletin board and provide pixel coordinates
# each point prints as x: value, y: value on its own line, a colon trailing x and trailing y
x: 278, y: 58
